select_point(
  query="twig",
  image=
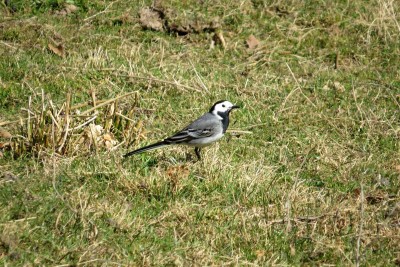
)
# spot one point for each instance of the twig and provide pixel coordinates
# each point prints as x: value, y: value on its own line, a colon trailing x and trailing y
x: 357, y: 105
x: 387, y: 87
x: 81, y: 105
x: 296, y: 178
x: 298, y: 85
x: 298, y: 219
x: 42, y: 112
x: 123, y: 116
x: 94, y: 137
x: 286, y: 99
x: 107, y: 262
x: 307, y: 219
x: 239, y: 131
x: 19, y: 220
x: 101, y: 12
x: 4, y: 43
x: 67, y: 121
x: 106, y: 102
x: 360, y: 227
x: 83, y: 124
x: 93, y: 95
x: 28, y: 111
x: 117, y: 146
x: 29, y: 119
x: 54, y: 120
x: 198, y: 77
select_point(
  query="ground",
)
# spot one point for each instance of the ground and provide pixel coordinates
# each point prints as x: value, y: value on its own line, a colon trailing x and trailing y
x: 307, y: 175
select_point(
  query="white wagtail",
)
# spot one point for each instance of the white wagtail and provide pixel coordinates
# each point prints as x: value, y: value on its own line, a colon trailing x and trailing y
x: 200, y: 133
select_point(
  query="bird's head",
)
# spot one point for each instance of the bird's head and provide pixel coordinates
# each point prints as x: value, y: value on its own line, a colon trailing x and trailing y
x: 223, y: 107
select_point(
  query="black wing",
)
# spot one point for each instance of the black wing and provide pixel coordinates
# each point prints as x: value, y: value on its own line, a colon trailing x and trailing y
x: 189, y: 134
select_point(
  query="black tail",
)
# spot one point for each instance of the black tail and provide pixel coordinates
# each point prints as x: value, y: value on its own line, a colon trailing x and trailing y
x: 146, y: 148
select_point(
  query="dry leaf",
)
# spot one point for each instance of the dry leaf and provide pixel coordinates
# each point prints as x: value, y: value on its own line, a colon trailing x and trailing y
x: 96, y: 130
x: 260, y: 253
x: 375, y: 199
x: 339, y: 87
x: 356, y: 192
x: 108, y: 144
x: 4, y: 133
x: 5, y: 145
x: 61, y: 12
x: 326, y: 87
x: 9, y: 177
x: 252, y: 42
x: 397, y: 167
x: 292, y: 249
x: 219, y: 39
x: 212, y: 44
x: 107, y: 137
x: 178, y: 172
x: 57, y: 49
x: 150, y: 19
x: 70, y: 8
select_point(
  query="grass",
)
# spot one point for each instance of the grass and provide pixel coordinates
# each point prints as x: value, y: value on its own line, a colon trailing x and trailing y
x: 315, y: 183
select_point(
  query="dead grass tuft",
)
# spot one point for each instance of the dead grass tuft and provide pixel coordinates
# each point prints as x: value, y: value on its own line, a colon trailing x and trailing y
x: 67, y: 130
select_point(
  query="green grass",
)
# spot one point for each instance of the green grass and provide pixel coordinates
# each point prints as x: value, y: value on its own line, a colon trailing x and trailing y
x: 315, y: 182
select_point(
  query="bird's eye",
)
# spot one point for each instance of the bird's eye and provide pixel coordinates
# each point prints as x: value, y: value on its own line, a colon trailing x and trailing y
x: 223, y: 106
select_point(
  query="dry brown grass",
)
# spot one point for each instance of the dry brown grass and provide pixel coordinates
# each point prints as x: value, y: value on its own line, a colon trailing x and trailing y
x: 67, y: 130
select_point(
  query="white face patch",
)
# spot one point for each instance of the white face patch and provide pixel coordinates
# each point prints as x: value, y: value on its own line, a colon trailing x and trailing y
x: 222, y: 107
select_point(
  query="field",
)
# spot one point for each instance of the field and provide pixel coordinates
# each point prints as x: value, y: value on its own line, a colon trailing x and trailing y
x: 308, y: 173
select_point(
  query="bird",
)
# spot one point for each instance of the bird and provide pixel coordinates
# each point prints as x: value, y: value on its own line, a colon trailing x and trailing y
x: 202, y: 132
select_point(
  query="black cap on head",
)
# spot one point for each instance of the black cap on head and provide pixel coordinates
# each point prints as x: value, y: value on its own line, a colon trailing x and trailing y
x: 216, y: 103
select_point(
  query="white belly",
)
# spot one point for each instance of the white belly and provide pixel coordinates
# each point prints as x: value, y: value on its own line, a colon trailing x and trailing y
x: 205, y: 141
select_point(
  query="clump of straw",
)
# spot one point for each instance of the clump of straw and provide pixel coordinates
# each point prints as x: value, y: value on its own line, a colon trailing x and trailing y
x: 46, y: 128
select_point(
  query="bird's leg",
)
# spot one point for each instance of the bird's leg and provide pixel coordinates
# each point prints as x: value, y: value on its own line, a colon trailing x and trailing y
x: 197, y: 150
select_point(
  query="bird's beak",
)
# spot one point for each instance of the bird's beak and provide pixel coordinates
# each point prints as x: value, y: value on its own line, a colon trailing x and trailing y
x: 235, y: 106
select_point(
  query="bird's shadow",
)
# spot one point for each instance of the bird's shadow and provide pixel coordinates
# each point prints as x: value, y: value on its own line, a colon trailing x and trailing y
x: 148, y: 162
